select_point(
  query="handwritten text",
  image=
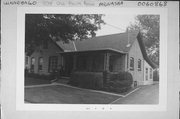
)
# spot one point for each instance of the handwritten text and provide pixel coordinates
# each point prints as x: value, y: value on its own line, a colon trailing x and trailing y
x: 105, y: 4
x: 23, y: 2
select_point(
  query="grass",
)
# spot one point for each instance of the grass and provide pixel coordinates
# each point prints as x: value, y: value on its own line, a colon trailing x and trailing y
x: 66, y: 95
x: 63, y: 94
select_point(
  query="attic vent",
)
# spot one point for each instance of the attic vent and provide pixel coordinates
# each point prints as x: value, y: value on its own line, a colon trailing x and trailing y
x: 128, y: 45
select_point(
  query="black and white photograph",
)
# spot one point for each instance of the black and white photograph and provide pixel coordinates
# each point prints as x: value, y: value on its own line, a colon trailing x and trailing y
x: 91, y: 59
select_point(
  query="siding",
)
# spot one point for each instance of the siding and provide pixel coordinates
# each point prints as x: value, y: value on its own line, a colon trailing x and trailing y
x: 45, y: 54
x: 136, y: 53
x: 148, y: 81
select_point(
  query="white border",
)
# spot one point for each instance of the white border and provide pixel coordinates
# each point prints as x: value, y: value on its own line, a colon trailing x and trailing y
x: 20, y: 105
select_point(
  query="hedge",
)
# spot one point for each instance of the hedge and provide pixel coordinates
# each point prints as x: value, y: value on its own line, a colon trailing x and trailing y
x: 90, y: 80
x: 39, y: 76
x: 119, y: 82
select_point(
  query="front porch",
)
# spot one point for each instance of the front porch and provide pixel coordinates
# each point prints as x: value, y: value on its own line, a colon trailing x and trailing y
x: 94, y: 61
x: 93, y: 69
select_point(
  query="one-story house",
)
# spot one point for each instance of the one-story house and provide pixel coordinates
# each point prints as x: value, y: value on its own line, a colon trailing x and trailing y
x: 111, y: 53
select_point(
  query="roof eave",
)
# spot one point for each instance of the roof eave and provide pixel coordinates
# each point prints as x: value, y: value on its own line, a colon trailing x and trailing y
x: 110, y: 49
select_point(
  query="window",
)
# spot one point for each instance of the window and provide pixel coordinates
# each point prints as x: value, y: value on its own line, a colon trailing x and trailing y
x: 82, y: 63
x: 53, y: 62
x: 146, y: 73
x: 40, y: 63
x: 26, y: 60
x: 131, y: 63
x: 151, y: 73
x: 92, y: 63
x: 97, y: 63
x: 139, y: 65
x: 32, y: 64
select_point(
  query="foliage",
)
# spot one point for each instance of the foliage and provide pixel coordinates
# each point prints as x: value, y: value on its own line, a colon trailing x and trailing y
x: 38, y: 76
x: 65, y: 27
x: 89, y: 80
x: 119, y: 82
x: 149, y: 27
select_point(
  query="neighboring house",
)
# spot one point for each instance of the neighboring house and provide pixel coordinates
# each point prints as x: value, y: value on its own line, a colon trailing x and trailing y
x: 45, y: 59
x: 27, y: 62
x: 111, y: 53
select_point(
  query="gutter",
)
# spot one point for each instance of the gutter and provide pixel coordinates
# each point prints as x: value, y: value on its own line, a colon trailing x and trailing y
x: 95, y: 50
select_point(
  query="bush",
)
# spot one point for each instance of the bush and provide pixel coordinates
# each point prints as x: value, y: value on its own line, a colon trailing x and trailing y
x: 90, y: 80
x: 39, y: 76
x: 119, y: 82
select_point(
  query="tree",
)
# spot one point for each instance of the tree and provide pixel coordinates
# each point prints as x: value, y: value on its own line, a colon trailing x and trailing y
x: 149, y: 27
x: 65, y: 27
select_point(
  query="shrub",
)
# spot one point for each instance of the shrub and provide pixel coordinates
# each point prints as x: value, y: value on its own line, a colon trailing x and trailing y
x: 39, y: 76
x: 119, y: 82
x: 89, y: 80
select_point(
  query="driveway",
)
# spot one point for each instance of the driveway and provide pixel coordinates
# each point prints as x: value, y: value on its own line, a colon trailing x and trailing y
x: 145, y: 95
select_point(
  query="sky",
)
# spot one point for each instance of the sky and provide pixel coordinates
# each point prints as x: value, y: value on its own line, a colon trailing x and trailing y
x: 119, y: 21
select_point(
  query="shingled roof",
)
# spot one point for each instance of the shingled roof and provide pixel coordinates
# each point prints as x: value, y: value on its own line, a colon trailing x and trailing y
x: 67, y: 47
x: 116, y: 42
x: 121, y: 42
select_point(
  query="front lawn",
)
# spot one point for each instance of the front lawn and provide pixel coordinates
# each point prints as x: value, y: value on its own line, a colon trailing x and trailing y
x: 66, y: 95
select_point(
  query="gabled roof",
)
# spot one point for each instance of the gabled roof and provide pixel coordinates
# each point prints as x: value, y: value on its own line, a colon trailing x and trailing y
x: 117, y: 42
x: 67, y: 47
x: 121, y: 42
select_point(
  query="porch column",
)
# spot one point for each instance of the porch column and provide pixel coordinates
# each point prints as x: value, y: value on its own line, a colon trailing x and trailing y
x: 74, y: 62
x: 106, y: 62
x: 106, y: 68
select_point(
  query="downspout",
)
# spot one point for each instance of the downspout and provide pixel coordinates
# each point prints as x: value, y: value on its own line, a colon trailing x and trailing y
x: 143, y: 72
x: 127, y: 59
x: 128, y: 45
